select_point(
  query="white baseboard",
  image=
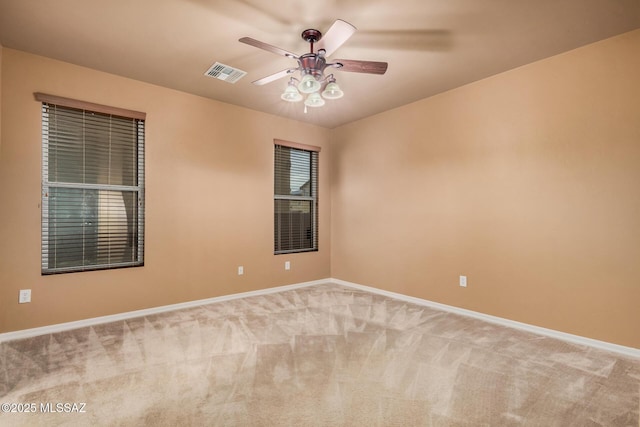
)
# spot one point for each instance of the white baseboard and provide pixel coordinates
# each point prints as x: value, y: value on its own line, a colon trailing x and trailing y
x: 60, y: 327
x: 575, y: 339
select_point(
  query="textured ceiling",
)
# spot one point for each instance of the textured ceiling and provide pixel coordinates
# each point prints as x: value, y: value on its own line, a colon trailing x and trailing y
x: 431, y: 45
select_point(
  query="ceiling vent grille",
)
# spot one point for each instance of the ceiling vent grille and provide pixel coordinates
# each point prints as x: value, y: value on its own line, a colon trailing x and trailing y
x: 225, y: 72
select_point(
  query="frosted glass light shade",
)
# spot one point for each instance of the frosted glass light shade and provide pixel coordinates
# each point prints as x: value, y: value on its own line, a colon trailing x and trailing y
x: 309, y: 84
x: 332, y: 91
x: 314, y: 100
x: 291, y: 94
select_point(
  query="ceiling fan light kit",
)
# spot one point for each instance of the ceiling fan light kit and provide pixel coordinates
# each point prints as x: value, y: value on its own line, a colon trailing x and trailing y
x: 313, y: 64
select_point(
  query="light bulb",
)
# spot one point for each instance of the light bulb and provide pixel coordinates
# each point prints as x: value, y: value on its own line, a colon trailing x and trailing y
x: 314, y: 100
x: 332, y: 91
x: 291, y: 94
x: 309, y: 84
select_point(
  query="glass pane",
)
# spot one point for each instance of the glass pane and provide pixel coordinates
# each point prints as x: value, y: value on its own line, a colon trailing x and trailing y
x: 123, y: 152
x: 92, y: 148
x: 73, y: 220
x: 66, y: 148
x: 117, y: 212
x: 293, y: 224
x: 292, y: 172
x: 91, y: 227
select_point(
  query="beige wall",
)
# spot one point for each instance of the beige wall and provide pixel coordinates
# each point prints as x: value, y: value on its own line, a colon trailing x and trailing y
x: 527, y: 182
x: 1, y: 50
x: 209, y: 199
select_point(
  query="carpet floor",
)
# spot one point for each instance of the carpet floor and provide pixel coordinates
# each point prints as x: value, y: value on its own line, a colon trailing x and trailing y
x: 324, y: 355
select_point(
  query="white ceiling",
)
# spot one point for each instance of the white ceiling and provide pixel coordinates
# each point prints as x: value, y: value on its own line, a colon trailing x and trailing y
x: 431, y: 45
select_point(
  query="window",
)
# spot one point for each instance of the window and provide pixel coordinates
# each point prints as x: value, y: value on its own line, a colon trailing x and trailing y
x: 92, y: 186
x: 295, y: 197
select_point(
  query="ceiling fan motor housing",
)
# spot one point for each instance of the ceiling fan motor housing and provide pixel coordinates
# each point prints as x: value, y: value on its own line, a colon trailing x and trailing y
x: 312, y: 63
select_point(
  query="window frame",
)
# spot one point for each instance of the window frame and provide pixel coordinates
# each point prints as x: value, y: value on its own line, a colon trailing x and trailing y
x: 139, y: 118
x: 313, y: 198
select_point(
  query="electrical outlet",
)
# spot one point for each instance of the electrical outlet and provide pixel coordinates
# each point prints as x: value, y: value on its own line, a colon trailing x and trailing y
x: 25, y: 296
x: 240, y: 270
x: 463, y: 281
x: 287, y: 265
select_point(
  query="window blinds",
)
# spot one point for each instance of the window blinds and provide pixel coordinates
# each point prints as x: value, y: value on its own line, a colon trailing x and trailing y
x: 92, y: 190
x: 295, y: 200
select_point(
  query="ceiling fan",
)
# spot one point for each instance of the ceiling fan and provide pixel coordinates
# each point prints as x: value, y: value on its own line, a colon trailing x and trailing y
x: 312, y: 65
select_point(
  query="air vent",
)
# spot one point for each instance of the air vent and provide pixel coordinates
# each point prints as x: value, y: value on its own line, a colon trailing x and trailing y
x: 225, y: 72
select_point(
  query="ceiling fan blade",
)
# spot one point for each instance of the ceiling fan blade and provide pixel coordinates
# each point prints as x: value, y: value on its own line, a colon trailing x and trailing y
x: 267, y: 47
x: 275, y: 76
x: 354, y: 66
x: 335, y: 36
